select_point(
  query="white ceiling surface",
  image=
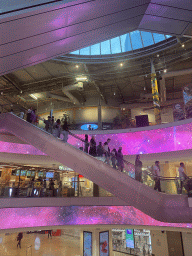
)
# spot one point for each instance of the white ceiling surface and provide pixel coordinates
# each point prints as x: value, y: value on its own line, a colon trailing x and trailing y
x: 39, y: 34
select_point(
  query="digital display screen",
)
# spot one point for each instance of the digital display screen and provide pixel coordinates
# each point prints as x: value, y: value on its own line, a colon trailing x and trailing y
x: 28, y: 173
x: 23, y: 173
x: 17, y: 172
x: 87, y: 243
x: 104, y: 243
x: 129, y: 238
x: 50, y: 175
x: 86, y: 127
x: 79, y: 215
x: 40, y: 174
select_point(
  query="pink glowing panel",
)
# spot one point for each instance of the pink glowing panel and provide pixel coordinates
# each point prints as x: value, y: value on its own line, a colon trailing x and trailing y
x: 17, y: 148
x: 78, y: 215
x: 146, y: 142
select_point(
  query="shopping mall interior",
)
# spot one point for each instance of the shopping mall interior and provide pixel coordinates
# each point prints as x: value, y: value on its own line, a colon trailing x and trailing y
x: 96, y: 128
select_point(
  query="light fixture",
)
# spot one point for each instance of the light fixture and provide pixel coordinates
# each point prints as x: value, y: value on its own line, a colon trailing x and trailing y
x: 77, y: 66
x: 121, y: 64
x: 1, y: 93
x: 33, y: 96
x: 157, y: 55
x: 114, y: 93
x: 183, y: 45
x: 82, y: 78
x: 165, y: 70
x: 21, y: 91
x: 144, y: 88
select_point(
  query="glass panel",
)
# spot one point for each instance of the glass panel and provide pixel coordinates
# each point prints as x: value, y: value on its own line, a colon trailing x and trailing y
x: 136, y: 40
x: 115, y: 45
x: 85, y: 51
x: 126, y: 43
x: 147, y: 38
x: 105, y: 47
x: 75, y: 52
x: 158, y: 37
x: 167, y: 36
x: 95, y: 49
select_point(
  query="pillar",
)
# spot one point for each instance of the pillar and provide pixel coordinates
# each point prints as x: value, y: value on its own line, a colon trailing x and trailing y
x: 155, y: 93
x: 99, y: 116
x: 163, y: 90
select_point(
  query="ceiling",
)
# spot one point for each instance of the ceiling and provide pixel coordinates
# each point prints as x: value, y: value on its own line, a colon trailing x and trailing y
x: 118, y: 80
x: 32, y: 35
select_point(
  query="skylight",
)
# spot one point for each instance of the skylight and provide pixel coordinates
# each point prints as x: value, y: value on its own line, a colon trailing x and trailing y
x: 125, y: 43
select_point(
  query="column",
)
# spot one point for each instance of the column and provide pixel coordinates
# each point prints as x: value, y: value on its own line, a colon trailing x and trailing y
x: 99, y: 115
x: 163, y: 90
x: 155, y: 93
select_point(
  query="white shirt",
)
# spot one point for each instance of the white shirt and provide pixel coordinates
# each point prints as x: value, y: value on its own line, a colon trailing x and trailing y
x: 156, y: 170
x: 181, y: 173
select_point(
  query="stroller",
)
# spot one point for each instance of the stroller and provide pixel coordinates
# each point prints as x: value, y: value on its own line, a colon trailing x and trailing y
x: 188, y: 186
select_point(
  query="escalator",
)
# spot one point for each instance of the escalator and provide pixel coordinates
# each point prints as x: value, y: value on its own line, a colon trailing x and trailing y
x: 160, y: 206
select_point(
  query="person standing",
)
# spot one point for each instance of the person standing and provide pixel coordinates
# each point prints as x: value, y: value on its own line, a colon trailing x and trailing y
x: 65, y: 131
x: 19, y: 238
x: 49, y: 233
x: 182, y: 176
x: 29, y: 119
x: 120, y: 162
x: 107, y: 151
x: 86, y: 145
x: 138, y: 169
x: 57, y: 127
x: 93, y: 148
x: 156, y: 171
x: 100, y: 150
x: 114, y: 158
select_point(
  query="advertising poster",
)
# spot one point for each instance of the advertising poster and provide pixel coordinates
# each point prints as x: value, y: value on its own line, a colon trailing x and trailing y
x: 104, y: 243
x: 129, y: 238
x: 187, y: 97
x: 87, y: 243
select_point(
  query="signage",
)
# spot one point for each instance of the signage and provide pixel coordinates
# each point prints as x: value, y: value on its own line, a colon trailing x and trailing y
x: 104, y: 243
x: 87, y: 243
x: 129, y: 238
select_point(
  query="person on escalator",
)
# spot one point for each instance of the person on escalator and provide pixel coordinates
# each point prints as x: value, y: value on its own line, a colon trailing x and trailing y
x: 86, y: 146
x: 100, y: 150
x: 138, y: 169
x: 56, y: 128
x: 29, y: 119
x: 65, y: 131
x: 93, y: 148
x: 120, y: 161
x: 107, y: 151
x: 114, y: 158
x: 156, y: 173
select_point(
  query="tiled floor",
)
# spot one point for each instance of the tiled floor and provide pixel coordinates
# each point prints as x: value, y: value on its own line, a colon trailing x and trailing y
x: 40, y: 244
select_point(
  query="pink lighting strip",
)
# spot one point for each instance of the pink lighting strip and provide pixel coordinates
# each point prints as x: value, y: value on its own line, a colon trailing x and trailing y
x: 78, y: 215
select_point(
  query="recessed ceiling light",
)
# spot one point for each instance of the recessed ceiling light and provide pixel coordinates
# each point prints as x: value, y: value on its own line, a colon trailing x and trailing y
x: 183, y: 45
x: 77, y: 66
x: 121, y: 64
x: 33, y: 96
x: 157, y: 55
x: 165, y: 70
x: 114, y: 93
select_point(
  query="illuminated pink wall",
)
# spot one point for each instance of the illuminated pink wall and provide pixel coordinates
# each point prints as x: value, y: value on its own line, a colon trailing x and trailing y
x: 78, y: 215
x: 146, y: 142
x: 142, y: 142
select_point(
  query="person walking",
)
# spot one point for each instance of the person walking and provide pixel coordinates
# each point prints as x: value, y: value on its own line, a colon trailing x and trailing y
x: 138, y: 169
x: 100, y: 150
x: 30, y: 188
x: 65, y: 131
x: 51, y: 187
x: 156, y: 171
x: 182, y: 176
x: 93, y: 148
x: 19, y: 238
x: 49, y: 233
x: 114, y: 158
x: 120, y: 162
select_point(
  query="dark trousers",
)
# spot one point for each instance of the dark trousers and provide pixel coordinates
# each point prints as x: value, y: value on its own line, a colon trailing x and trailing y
x: 19, y: 244
x: 138, y: 176
x: 181, y: 186
x: 157, y: 185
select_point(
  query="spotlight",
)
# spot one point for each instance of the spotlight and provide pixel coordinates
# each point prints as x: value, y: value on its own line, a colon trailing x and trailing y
x: 77, y: 66
x: 165, y: 70
x: 183, y: 45
x: 157, y: 55
x: 114, y: 93
x: 1, y: 93
x: 144, y: 88
x: 121, y: 64
x: 21, y: 91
